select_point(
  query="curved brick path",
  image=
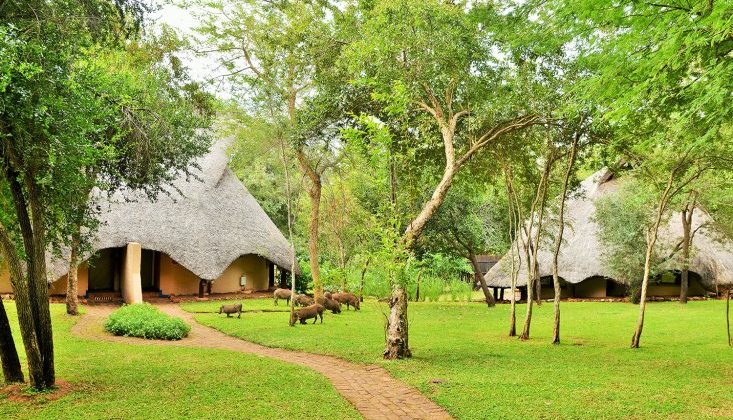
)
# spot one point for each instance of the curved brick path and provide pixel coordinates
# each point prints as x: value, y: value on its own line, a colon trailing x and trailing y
x: 370, y: 389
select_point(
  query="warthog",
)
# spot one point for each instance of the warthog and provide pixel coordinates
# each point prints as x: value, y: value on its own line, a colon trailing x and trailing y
x: 282, y: 294
x: 303, y: 300
x: 231, y: 309
x: 314, y: 311
x: 349, y: 299
x: 330, y: 304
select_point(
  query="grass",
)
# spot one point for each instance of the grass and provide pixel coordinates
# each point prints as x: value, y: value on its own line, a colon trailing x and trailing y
x: 112, y: 380
x: 684, y: 368
x: 146, y: 321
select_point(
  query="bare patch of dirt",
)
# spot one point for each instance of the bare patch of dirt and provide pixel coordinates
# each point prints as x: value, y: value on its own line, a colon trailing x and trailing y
x: 21, y: 393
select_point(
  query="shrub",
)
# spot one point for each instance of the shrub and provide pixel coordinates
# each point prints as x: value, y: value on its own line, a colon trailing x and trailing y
x: 146, y: 321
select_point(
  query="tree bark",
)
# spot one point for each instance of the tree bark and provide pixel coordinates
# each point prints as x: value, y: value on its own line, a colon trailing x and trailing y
x: 31, y: 292
x: 25, y: 312
x: 12, y: 371
x: 397, y: 346
x: 361, y: 280
x: 314, y: 192
x: 72, y: 283
x: 651, y: 239
x: 558, y: 240
x: 727, y: 315
x: 417, y: 289
x: 531, y: 248
x: 478, y: 276
x: 686, y: 245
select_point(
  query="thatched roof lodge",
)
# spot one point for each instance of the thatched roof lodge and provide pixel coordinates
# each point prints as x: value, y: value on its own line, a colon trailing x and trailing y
x: 209, y: 235
x: 581, y: 265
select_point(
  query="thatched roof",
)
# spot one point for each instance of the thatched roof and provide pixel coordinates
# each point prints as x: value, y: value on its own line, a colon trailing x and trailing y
x: 210, y: 223
x: 580, y: 256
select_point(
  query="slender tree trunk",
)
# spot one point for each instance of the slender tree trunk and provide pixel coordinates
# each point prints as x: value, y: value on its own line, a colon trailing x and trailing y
x: 8, y: 354
x: 686, y: 245
x: 290, y: 234
x: 417, y: 289
x: 651, y: 239
x: 533, y: 280
x: 530, y: 299
x: 361, y: 280
x: 397, y: 346
x: 72, y: 280
x: 727, y: 315
x: 478, y: 276
x: 558, y: 240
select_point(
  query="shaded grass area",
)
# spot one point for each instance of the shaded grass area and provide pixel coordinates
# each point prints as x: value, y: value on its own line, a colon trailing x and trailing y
x: 113, y: 380
x: 684, y: 368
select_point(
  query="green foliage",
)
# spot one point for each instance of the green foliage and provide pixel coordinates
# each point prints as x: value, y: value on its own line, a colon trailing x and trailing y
x: 623, y: 218
x: 146, y: 321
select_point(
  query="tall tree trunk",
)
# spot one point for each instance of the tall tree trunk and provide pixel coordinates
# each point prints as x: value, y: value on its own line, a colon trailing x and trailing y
x: 290, y: 233
x: 531, y: 249
x: 397, y: 331
x: 558, y: 240
x: 651, y: 240
x: 314, y: 192
x: 397, y: 346
x: 478, y: 276
x: 8, y: 353
x: 72, y: 278
x: 530, y: 299
x: 315, y: 198
x: 417, y: 289
x: 727, y: 315
x: 361, y: 280
x: 34, y: 316
x: 25, y: 312
x: 686, y: 245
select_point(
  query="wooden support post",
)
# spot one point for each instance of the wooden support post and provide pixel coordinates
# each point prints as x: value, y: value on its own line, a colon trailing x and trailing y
x: 202, y: 285
x: 270, y: 275
x: 283, y: 279
x: 501, y: 294
x: 208, y: 287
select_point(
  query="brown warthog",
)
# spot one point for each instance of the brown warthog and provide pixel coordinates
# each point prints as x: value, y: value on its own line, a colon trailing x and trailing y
x: 231, y: 309
x: 349, y: 299
x: 330, y: 304
x: 282, y: 294
x: 314, y: 311
x: 303, y: 300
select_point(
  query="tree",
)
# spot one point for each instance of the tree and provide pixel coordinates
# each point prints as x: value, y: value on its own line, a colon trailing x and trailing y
x: 281, y: 53
x: 58, y: 105
x: 661, y: 76
x: 443, y: 82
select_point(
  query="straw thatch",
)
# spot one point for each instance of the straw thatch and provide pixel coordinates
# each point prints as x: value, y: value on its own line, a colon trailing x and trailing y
x: 204, y: 226
x: 580, y: 255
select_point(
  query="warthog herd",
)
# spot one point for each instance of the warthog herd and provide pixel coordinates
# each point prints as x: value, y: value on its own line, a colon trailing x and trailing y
x: 309, y: 307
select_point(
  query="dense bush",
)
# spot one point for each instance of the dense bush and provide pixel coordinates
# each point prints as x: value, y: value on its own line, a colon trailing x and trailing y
x: 146, y: 321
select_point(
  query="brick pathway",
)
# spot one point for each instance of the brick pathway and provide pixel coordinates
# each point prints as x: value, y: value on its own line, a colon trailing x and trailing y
x: 372, y: 391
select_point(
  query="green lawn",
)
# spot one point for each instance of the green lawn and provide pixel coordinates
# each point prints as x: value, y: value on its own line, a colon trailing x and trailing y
x: 684, y: 368
x: 112, y: 380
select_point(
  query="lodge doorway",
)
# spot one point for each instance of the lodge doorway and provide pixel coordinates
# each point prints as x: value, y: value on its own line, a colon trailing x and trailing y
x: 150, y: 270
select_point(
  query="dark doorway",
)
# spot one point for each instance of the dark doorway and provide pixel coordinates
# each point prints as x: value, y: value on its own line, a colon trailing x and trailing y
x: 104, y: 270
x: 150, y: 270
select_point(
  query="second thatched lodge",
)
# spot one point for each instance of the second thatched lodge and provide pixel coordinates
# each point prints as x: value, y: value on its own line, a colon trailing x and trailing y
x: 210, y: 235
x: 581, y: 266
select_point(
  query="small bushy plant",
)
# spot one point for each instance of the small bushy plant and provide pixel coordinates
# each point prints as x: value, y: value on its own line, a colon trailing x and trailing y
x: 146, y: 321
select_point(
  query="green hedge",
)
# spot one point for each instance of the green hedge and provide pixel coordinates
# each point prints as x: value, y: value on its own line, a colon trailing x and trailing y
x: 146, y: 321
